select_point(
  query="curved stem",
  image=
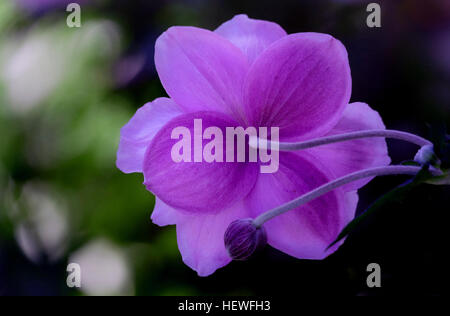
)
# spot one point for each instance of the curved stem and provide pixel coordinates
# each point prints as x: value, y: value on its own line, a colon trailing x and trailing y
x: 266, y: 144
x: 327, y: 187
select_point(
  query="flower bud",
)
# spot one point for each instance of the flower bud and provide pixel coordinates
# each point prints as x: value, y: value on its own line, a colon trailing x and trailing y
x: 426, y: 155
x: 243, y: 238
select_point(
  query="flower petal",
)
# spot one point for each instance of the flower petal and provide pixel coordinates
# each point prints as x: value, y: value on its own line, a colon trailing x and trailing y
x: 206, y: 187
x: 301, y: 84
x: 306, y: 231
x: 350, y: 156
x: 163, y: 214
x: 201, y: 238
x: 200, y: 70
x: 250, y: 35
x: 137, y: 134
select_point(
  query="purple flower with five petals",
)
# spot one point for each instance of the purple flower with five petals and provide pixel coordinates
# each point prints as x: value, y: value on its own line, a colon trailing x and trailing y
x: 251, y: 73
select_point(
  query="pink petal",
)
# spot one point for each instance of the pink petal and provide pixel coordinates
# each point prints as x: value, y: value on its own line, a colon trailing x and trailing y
x: 201, y: 239
x: 206, y: 187
x: 300, y: 84
x: 201, y: 70
x: 200, y: 236
x: 250, y: 35
x: 137, y: 134
x: 163, y: 214
x: 307, y: 231
x: 350, y: 156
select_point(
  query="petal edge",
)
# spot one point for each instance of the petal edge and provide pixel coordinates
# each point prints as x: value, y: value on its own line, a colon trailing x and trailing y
x: 250, y: 35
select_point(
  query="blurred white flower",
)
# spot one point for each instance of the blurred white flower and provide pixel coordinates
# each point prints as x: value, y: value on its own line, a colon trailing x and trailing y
x: 32, y: 68
x: 34, y: 64
x: 44, y: 229
x: 105, y: 269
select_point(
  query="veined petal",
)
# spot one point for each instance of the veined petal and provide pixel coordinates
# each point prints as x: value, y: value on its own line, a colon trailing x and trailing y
x: 201, y: 71
x: 301, y: 84
x: 307, y: 231
x: 350, y: 156
x: 206, y: 187
x: 250, y: 35
x: 137, y: 134
x: 201, y: 238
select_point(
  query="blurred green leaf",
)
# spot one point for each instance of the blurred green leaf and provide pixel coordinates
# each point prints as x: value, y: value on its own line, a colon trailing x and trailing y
x: 6, y: 14
x: 440, y: 180
x: 410, y: 163
x: 397, y: 194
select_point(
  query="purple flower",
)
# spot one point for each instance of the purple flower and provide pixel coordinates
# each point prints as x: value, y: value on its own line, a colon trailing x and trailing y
x: 251, y: 73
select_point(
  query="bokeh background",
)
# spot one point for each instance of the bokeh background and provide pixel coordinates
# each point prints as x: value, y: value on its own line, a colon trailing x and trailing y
x: 66, y: 92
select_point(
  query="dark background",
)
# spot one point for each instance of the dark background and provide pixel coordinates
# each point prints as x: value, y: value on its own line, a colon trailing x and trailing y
x: 65, y: 93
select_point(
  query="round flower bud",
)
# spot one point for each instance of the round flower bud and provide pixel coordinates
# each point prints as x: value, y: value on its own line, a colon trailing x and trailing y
x: 243, y: 238
x: 425, y: 155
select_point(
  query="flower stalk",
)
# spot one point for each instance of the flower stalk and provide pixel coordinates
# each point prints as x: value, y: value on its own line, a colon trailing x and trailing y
x: 330, y: 186
x: 286, y: 146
